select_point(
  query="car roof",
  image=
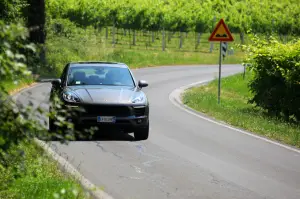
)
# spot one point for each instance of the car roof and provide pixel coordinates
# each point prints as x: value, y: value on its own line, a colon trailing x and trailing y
x: 98, y: 63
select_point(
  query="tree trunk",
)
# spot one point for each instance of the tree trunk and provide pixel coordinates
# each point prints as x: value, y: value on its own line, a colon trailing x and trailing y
x: 242, y: 37
x: 106, y: 32
x: 163, y: 40
x: 35, y: 22
x: 36, y: 18
x: 198, y: 40
x: 152, y: 37
x: 134, y: 37
x: 211, y: 47
x: 169, y: 36
x: 180, y: 41
x: 113, y: 35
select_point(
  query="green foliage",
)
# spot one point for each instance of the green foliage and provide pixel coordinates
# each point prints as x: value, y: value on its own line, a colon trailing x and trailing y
x: 276, y: 84
x: 12, y: 10
x: 262, y: 16
x: 21, y: 123
x: 15, y: 121
x: 12, y: 45
x: 62, y: 27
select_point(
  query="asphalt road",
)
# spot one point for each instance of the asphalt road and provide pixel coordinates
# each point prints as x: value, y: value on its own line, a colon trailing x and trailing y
x: 185, y: 156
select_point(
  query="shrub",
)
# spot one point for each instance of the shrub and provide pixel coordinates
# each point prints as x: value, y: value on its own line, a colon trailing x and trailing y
x: 276, y: 82
x: 20, y: 124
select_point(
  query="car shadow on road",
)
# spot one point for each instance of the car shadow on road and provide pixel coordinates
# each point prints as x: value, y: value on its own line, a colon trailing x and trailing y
x: 109, y: 136
x: 106, y: 135
x: 97, y: 136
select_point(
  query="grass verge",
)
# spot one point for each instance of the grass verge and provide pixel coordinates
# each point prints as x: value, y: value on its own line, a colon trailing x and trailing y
x: 235, y: 110
x: 40, y: 177
x: 13, y: 88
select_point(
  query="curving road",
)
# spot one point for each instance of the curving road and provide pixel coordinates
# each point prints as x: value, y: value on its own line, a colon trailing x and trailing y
x: 185, y: 156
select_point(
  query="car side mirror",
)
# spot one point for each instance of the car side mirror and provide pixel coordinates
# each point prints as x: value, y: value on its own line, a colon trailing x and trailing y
x: 143, y: 83
x: 53, y: 81
x: 56, y: 82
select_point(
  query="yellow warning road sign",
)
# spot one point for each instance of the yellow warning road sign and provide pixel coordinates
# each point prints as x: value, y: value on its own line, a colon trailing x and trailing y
x: 221, y: 33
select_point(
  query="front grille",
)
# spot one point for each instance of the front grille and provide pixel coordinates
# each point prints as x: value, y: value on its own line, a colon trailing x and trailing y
x: 139, y: 111
x: 98, y: 110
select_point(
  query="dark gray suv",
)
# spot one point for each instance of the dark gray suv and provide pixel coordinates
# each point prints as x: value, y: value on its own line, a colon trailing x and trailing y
x: 109, y: 95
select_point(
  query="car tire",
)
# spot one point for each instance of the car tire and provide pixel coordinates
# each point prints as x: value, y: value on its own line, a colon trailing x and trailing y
x: 142, y: 133
x: 52, y: 127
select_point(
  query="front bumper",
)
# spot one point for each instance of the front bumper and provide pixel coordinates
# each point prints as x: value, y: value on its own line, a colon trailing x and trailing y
x: 131, y: 120
x: 127, y: 117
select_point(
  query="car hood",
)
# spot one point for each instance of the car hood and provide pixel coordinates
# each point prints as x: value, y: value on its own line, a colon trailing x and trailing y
x: 106, y: 94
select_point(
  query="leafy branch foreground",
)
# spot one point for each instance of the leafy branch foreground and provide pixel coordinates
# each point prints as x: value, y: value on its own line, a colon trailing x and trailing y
x: 25, y: 171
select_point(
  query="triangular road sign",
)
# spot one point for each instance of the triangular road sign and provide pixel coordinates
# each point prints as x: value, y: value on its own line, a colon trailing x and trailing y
x: 221, y: 33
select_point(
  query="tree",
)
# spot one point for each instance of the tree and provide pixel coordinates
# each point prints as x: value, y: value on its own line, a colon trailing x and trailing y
x: 36, y: 18
x: 35, y: 21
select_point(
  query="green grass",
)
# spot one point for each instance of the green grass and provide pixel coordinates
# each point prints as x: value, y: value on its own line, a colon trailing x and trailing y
x: 73, y: 43
x: 41, y: 178
x: 90, y: 50
x: 14, y: 86
x: 235, y: 110
x: 92, y: 45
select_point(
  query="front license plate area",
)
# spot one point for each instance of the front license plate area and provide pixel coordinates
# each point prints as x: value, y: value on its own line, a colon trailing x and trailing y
x: 106, y: 119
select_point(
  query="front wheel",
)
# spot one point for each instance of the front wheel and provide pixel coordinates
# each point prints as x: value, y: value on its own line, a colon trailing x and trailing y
x: 52, y: 127
x: 142, y: 133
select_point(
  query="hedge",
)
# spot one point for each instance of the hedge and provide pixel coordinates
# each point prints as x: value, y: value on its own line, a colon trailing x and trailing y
x: 276, y: 82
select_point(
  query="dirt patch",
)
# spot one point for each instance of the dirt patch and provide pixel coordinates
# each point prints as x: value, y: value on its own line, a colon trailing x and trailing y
x: 21, y: 88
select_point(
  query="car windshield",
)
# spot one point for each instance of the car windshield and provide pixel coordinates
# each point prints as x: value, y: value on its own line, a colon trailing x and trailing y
x: 99, y: 75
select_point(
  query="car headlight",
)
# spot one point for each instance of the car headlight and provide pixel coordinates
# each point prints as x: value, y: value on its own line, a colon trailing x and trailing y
x: 70, y: 97
x: 138, y: 99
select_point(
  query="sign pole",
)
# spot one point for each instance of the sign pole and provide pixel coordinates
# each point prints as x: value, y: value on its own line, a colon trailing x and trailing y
x: 221, y: 34
x: 220, y: 62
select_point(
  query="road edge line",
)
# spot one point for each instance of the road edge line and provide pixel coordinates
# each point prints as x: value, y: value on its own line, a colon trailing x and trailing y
x: 175, y: 98
x: 70, y: 169
x: 63, y: 163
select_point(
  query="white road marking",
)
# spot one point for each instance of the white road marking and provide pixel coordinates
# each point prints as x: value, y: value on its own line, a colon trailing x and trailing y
x: 149, y: 162
x: 174, y: 97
